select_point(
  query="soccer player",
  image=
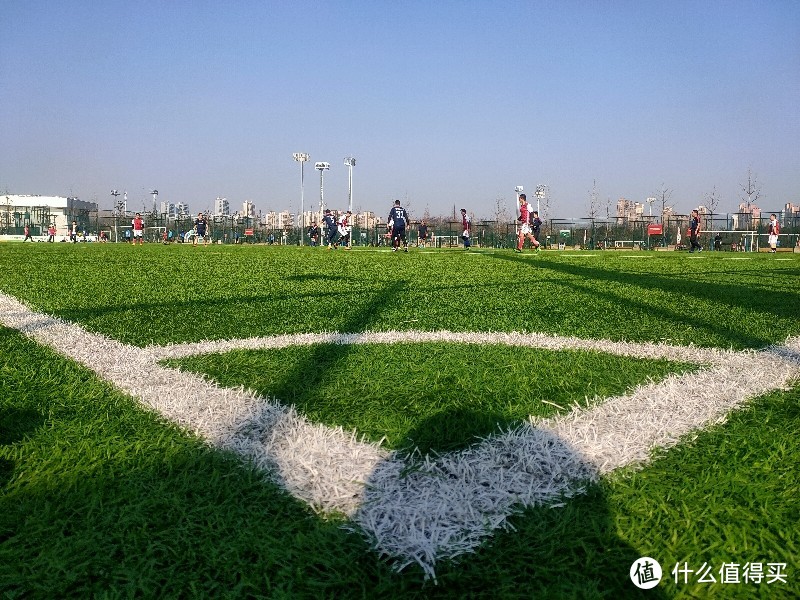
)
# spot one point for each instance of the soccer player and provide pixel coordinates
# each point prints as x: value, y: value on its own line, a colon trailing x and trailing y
x: 773, y: 230
x: 525, y: 227
x: 138, y: 229
x: 397, y: 223
x: 422, y: 234
x: 331, y: 230
x: 313, y: 234
x: 694, y: 231
x: 200, y: 225
x: 344, y: 230
x: 466, y: 223
x: 536, y: 225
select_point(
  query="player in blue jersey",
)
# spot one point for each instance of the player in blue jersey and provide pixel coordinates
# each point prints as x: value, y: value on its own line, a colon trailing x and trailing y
x: 397, y: 223
x: 331, y: 229
x: 200, y: 225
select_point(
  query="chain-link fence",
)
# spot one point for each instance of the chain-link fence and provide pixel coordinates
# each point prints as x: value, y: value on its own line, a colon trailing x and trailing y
x: 727, y: 231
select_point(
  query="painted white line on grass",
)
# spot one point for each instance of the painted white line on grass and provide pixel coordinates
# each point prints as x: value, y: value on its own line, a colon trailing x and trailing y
x: 433, y: 507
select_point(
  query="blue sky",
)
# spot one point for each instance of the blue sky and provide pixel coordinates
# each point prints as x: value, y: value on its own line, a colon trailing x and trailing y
x: 442, y: 104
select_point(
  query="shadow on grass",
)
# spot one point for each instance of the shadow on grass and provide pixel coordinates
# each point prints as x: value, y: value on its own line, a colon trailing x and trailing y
x: 570, y: 551
x: 111, y: 500
x: 15, y: 424
x: 454, y: 429
x: 322, y: 359
x: 780, y: 304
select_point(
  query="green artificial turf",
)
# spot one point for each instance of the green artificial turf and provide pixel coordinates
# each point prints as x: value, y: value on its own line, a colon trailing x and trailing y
x: 428, y: 396
x: 101, y: 498
x: 156, y: 294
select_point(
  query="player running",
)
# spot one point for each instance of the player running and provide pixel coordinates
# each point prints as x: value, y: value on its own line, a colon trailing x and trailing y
x: 200, y: 225
x: 331, y: 229
x: 525, y: 217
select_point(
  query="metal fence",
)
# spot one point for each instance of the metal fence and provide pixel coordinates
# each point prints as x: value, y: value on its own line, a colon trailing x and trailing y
x: 739, y: 231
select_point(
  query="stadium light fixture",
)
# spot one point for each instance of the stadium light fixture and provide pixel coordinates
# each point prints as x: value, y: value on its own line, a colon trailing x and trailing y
x: 650, y: 202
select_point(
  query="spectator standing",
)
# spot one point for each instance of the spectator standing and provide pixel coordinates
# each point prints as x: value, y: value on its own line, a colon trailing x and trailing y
x: 397, y: 223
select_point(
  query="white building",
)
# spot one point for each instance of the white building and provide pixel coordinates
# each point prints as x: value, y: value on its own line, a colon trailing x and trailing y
x: 249, y: 209
x: 38, y: 212
x: 222, y: 207
x: 169, y: 209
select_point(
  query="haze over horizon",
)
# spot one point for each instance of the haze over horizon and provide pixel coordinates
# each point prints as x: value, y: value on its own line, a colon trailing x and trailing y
x: 453, y: 103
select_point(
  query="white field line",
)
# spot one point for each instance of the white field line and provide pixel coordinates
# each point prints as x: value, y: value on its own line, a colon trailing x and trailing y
x: 424, y: 509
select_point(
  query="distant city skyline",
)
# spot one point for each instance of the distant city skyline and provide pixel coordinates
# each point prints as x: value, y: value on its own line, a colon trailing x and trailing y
x: 441, y: 104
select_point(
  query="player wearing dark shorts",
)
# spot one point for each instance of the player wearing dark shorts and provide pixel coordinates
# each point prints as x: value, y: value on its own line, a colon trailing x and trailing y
x: 398, y: 220
x: 200, y: 225
x: 331, y: 230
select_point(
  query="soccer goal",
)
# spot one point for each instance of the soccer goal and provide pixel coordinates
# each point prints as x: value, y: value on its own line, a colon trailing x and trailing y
x: 734, y: 240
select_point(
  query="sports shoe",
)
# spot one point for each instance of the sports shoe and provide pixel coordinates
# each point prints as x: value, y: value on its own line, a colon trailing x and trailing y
x: 517, y: 250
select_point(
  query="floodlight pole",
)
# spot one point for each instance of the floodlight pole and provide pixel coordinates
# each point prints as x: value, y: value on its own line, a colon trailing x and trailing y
x: 115, y: 193
x: 322, y: 167
x: 301, y: 157
x: 350, y: 162
x: 541, y: 190
x: 518, y: 190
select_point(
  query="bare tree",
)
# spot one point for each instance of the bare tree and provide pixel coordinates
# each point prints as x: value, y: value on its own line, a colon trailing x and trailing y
x: 751, y: 190
x: 712, y: 201
x: 594, y: 201
x: 663, y: 196
x: 500, y: 211
x: 500, y: 216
